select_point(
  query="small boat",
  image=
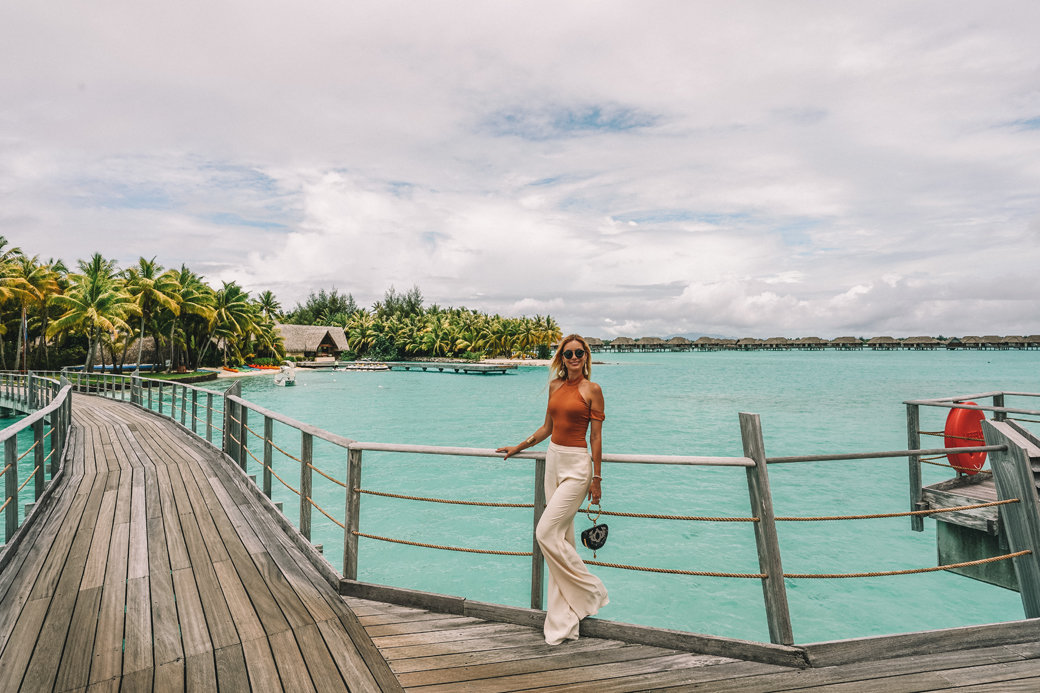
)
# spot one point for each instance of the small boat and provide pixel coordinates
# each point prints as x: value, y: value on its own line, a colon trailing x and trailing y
x: 286, y: 375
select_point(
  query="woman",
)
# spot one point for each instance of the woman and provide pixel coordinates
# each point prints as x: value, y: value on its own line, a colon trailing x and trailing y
x: 571, y: 476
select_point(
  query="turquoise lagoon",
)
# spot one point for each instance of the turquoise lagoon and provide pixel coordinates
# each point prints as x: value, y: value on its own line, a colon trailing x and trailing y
x: 682, y: 404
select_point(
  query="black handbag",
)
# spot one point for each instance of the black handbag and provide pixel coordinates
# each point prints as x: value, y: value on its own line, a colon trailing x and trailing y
x: 595, y: 536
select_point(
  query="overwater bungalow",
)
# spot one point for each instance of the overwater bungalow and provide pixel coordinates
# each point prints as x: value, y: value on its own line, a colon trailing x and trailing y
x: 921, y: 343
x: 1033, y: 341
x: 884, y: 343
x: 777, y: 343
x: 623, y: 344
x: 749, y: 344
x: 992, y: 341
x: 846, y: 343
x: 650, y: 344
x: 1013, y: 342
x: 809, y: 343
x: 595, y: 344
x: 679, y: 344
x: 971, y: 342
x: 707, y: 344
x: 313, y: 341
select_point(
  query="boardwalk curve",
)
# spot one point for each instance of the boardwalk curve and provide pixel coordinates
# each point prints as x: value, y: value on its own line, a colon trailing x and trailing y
x: 147, y: 571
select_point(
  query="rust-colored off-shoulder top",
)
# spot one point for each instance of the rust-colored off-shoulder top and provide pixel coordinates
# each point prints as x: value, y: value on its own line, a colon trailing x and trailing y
x: 570, y: 414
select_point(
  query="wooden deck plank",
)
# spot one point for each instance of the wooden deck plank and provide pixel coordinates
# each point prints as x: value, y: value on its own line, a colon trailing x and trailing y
x: 352, y: 668
x: 473, y: 631
x: 44, y: 663
x: 324, y: 672
x: 166, y: 632
x: 259, y: 663
x: 467, y: 659
x: 246, y: 620
x: 138, y: 626
x: 74, y: 669
x: 600, y: 676
x: 200, y: 673
x: 545, y: 663
x: 230, y: 672
x: 422, y: 626
x: 291, y: 668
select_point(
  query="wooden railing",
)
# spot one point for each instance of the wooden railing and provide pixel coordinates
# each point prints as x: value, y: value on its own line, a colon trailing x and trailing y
x: 252, y: 450
x: 914, y: 432
x: 47, y: 403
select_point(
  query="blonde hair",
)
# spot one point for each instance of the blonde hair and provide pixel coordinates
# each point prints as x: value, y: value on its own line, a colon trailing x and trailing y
x: 557, y: 368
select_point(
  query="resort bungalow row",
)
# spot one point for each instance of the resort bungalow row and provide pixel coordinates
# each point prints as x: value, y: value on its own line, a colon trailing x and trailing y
x: 652, y: 344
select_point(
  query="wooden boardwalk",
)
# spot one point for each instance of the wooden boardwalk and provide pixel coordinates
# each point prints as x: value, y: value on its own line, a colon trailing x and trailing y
x: 152, y: 568
x: 437, y: 653
x: 148, y: 572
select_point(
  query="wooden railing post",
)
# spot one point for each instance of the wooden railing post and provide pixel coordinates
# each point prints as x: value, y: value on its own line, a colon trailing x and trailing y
x: 268, y: 452
x: 352, y: 515
x: 39, y: 459
x: 998, y: 401
x: 150, y: 394
x: 194, y: 411
x: 209, y: 417
x: 30, y: 398
x: 184, y: 405
x: 135, y: 389
x: 11, y: 487
x: 775, y: 592
x: 537, y: 561
x: 306, y: 480
x: 243, y: 430
x: 227, y: 445
x: 913, y: 441
x: 1013, y: 478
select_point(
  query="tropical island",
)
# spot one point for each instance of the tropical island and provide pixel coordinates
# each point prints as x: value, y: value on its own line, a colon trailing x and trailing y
x: 148, y: 316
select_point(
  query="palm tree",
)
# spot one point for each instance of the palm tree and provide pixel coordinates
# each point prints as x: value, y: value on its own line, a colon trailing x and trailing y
x: 31, y: 283
x: 152, y: 289
x: 269, y: 305
x: 196, y: 306
x: 361, y: 332
x: 233, y: 317
x: 95, y: 304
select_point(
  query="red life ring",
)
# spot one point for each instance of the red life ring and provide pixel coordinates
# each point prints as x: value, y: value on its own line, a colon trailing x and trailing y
x: 964, y: 430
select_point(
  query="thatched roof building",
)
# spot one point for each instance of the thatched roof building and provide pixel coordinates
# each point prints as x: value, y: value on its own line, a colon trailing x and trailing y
x: 921, y: 342
x: 846, y: 343
x: 311, y: 341
x: 809, y: 343
x: 883, y: 343
x: 777, y: 343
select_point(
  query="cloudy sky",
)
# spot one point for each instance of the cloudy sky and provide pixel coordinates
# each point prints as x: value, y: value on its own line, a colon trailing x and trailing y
x: 632, y: 168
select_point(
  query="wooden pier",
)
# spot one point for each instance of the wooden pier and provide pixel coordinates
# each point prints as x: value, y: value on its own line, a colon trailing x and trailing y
x: 152, y: 564
x: 424, y: 366
x: 148, y: 571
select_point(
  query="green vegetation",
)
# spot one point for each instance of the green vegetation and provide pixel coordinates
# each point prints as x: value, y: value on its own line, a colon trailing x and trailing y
x: 400, y: 327
x: 52, y: 317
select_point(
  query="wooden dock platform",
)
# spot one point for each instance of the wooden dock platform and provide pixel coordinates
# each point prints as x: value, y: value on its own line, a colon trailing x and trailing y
x: 151, y: 568
x: 148, y: 572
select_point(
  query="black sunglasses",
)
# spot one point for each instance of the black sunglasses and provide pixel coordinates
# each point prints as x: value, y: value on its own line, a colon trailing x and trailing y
x: 577, y: 353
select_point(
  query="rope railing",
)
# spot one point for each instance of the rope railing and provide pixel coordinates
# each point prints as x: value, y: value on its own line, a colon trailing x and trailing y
x: 908, y: 513
x: 5, y: 469
x: 335, y: 481
x: 322, y: 511
x: 484, y: 504
x: 911, y: 571
x: 943, y: 434
x: 29, y: 478
x: 441, y: 546
x: 30, y: 449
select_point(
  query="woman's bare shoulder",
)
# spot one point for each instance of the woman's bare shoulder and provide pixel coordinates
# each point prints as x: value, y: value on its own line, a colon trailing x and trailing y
x: 591, y: 389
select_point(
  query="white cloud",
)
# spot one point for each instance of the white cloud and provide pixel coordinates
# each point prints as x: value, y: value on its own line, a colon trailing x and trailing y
x: 754, y: 168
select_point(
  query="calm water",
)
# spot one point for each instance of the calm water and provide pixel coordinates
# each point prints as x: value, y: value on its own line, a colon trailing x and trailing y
x: 810, y: 402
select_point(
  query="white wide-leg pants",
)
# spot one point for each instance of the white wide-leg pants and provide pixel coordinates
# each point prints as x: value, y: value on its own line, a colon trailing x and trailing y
x: 574, y: 592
